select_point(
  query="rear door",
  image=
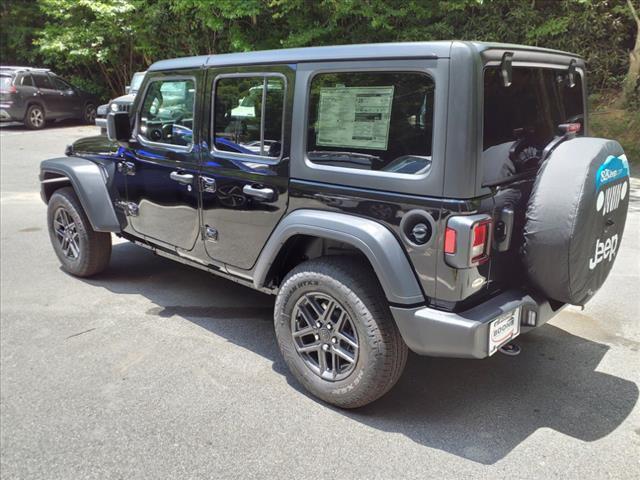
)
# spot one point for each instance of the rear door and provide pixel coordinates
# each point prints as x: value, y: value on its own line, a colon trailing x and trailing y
x: 246, y: 163
x: 48, y: 95
x: 162, y: 165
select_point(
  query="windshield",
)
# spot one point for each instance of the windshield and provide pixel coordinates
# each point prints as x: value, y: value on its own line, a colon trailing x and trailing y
x: 521, y: 119
x: 136, y: 81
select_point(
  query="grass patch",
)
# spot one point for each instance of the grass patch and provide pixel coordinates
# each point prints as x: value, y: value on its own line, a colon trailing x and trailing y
x: 620, y: 124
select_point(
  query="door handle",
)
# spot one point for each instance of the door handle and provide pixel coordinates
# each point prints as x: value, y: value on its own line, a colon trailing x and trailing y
x: 184, y: 178
x: 265, y: 193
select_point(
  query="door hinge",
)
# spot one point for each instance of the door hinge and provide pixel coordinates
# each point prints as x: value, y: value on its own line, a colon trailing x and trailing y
x: 130, y: 209
x: 126, y: 168
x: 208, y: 184
x: 210, y: 233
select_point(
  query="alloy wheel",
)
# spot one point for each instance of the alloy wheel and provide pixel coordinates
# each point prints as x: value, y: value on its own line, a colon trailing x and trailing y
x: 36, y: 117
x: 324, y: 336
x: 66, y: 233
x: 90, y: 114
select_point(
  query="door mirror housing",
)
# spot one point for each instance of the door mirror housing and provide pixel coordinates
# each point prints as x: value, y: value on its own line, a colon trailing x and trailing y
x: 119, y: 127
x: 70, y: 91
x: 127, y: 89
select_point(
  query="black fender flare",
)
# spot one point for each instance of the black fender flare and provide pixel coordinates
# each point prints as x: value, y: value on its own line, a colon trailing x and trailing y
x: 374, y: 240
x: 89, y: 182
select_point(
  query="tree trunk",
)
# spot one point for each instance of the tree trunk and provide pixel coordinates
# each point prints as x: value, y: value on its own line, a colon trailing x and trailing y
x: 631, y: 84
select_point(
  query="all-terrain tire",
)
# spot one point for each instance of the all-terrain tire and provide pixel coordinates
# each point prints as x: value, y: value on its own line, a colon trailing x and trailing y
x: 35, y: 119
x: 93, y: 249
x: 382, y: 353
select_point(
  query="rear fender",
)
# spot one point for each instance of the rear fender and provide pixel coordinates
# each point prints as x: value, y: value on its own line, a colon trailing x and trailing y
x: 375, y: 241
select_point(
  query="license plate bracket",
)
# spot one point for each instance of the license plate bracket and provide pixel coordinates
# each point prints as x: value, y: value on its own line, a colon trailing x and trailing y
x: 503, y: 329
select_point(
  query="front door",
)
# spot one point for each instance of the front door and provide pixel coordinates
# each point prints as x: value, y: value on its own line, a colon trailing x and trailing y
x: 245, y: 166
x: 161, y: 167
x: 69, y: 100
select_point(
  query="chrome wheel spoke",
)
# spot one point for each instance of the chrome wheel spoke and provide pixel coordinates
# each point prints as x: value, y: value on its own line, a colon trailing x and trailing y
x: 303, y: 332
x: 346, y: 339
x: 322, y: 360
x: 309, y: 348
x: 344, y: 354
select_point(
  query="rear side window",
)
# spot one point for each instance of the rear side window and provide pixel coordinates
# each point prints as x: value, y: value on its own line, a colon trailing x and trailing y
x: 27, y: 81
x: 166, y: 115
x: 379, y: 121
x: 248, y: 115
x: 42, y: 81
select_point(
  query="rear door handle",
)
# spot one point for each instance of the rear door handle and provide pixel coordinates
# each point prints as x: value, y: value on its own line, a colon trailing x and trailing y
x: 184, y: 178
x: 265, y: 193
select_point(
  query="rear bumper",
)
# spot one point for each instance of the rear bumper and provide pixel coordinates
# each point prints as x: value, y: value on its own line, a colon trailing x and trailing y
x: 432, y: 332
x: 9, y: 113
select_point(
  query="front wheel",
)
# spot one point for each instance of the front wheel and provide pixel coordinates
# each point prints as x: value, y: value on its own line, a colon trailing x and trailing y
x: 82, y: 251
x: 89, y: 115
x: 336, y: 333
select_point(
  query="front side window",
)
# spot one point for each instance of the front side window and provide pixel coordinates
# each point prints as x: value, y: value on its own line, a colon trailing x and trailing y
x: 378, y: 121
x: 248, y: 114
x: 61, y: 84
x: 166, y: 115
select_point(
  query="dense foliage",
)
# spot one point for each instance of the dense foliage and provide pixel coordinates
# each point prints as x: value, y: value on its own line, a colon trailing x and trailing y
x: 99, y: 43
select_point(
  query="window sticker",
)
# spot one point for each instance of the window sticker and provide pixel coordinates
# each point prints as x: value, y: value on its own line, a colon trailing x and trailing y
x: 357, y: 117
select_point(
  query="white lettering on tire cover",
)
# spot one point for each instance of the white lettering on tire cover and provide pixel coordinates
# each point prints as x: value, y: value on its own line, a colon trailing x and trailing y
x: 609, y: 198
x: 605, y: 250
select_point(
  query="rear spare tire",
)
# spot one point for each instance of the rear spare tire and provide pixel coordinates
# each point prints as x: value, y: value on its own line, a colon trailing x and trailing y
x: 575, y: 218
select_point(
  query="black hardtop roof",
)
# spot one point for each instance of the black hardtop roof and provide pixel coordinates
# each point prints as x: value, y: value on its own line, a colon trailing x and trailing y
x: 369, y: 51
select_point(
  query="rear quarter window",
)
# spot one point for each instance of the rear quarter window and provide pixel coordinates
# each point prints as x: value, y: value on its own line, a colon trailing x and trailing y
x: 377, y: 121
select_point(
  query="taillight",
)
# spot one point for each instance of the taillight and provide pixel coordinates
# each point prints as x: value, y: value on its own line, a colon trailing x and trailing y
x: 11, y: 89
x: 467, y: 240
x: 480, y: 242
x: 450, y: 241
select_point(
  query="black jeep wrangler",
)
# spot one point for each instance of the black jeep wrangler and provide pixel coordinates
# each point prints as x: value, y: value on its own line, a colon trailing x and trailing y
x: 442, y: 197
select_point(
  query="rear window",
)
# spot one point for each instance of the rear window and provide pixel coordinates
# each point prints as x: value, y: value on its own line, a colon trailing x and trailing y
x: 378, y: 121
x: 5, y: 82
x: 521, y: 119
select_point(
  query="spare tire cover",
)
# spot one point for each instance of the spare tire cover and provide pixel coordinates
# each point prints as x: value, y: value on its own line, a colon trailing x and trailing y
x: 575, y: 218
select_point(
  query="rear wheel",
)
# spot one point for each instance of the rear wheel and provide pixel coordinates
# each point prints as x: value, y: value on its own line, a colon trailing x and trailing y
x: 34, y: 118
x: 81, y: 250
x: 336, y: 333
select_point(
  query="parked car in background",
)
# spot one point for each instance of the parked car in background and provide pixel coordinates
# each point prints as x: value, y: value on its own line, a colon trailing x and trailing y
x: 34, y: 96
x: 119, y: 104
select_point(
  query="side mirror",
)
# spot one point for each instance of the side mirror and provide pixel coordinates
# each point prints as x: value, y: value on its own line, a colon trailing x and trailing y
x: 181, y: 135
x: 127, y: 89
x: 70, y: 91
x: 118, y: 127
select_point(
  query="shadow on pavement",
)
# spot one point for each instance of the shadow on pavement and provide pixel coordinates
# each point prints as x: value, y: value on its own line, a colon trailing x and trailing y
x: 478, y: 410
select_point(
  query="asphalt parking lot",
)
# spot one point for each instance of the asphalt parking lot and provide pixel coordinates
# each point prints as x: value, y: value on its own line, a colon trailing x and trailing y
x: 156, y: 370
